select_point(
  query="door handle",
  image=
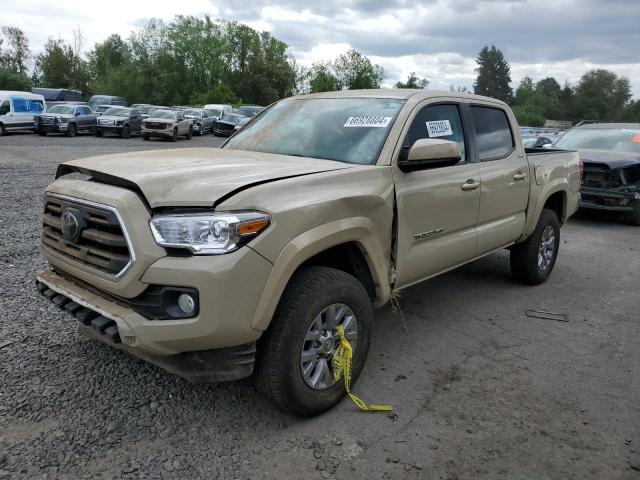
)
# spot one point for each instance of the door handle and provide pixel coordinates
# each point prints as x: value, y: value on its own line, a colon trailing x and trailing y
x: 470, y: 184
x: 520, y: 176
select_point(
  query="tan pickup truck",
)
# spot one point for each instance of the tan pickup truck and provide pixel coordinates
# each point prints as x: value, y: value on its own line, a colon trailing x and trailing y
x: 213, y: 263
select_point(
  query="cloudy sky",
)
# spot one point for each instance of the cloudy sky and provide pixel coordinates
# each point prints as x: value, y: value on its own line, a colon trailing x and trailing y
x: 438, y: 39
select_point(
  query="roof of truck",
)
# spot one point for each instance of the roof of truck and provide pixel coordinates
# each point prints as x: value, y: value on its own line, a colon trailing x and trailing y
x: 398, y: 93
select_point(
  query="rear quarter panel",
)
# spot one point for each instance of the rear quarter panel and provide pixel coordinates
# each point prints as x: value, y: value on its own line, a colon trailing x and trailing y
x: 551, y: 172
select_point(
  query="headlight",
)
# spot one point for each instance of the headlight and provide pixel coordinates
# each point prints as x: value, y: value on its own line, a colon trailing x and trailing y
x: 208, y: 234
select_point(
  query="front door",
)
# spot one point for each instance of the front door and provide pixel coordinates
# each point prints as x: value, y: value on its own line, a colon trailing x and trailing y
x: 438, y: 207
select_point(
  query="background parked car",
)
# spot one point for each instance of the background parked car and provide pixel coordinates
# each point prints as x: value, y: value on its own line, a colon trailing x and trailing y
x: 226, y: 125
x: 18, y: 110
x: 219, y: 108
x: 202, y: 122
x: 123, y: 121
x: 536, y: 141
x: 242, y: 123
x: 100, y: 109
x: 67, y: 118
x: 53, y: 96
x: 168, y: 124
x: 106, y: 100
x: 249, y: 110
x: 610, y: 153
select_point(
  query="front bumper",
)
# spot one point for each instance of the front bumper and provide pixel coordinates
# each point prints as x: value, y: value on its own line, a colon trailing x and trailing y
x: 612, y: 200
x: 217, y: 365
x: 55, y: 128
x: 166, y: 133
x: 109, y: 128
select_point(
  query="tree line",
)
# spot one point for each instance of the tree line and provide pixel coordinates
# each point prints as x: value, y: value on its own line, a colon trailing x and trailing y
x: 599, y: 94
x: 193, y: 60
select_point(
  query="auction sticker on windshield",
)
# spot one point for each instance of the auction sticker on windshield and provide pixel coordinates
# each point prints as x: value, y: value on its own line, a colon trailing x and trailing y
x: 368, y: 121
x: 439, y: 128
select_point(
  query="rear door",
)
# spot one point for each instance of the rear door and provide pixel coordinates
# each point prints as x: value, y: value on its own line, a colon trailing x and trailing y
x: 504, y: 177
x: 438, y: 207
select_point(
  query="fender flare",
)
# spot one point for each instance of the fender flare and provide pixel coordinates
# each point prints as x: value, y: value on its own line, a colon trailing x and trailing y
x: 559, y: 185
x: 359, y: 230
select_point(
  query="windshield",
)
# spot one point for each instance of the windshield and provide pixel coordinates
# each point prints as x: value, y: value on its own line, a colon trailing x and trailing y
x: 102, y: 108
x: 68, y: 109
x: 164, y: 114
x: 214, y: 113
x: 227, y: 117
x: 117, y: 112
x: 350, y: 130
x: 618, y: 139
x: 193, y: 112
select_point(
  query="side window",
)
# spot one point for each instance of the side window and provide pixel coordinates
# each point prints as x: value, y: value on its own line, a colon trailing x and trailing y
x: 205, y: 114
x: 5, y: 107
x: 85, y: 111
x: 20, y: 105
x: 437, y: 121
x: 493, y: 135
x: 135, y: 113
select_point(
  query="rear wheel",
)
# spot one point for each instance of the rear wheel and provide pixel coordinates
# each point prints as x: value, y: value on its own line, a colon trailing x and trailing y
x: 71, y: 130
x: 294, y: 357
x: 533, y: 260
x: 634, y: 217
x: 125, y: 132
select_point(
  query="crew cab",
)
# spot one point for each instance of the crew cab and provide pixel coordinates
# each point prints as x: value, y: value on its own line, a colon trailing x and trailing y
x: 213, y: 263
x: 120, y: 121
x: 67, y: 118
x: 167, y: 124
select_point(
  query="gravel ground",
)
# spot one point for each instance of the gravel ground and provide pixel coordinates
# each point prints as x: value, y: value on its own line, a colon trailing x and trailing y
x: 480, y: 391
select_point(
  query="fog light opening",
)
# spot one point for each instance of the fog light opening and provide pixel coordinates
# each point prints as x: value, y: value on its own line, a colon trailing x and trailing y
x: 186, y: 303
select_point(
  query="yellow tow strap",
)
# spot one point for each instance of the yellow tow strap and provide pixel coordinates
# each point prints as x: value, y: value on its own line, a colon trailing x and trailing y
x: 341, y: 364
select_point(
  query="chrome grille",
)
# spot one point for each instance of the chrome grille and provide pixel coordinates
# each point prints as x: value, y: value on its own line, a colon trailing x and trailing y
x: 47, y: 120
x: 155, y: 125
x: 99, y: 241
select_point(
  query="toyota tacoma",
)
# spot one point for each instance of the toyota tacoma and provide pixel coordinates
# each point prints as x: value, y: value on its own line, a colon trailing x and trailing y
x: 217, y: 263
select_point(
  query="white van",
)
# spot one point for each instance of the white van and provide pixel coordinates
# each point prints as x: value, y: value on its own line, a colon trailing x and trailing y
x: 217, y: 110
x: 18, y: 110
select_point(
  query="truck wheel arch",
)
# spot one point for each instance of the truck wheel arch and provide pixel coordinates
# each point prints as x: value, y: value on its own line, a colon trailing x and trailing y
x: 320, y: 246
x: 553, y: 198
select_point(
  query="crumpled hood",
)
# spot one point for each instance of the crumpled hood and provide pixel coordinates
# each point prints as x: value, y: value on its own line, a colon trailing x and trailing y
x: 194, y: 177
x: 612, y: 158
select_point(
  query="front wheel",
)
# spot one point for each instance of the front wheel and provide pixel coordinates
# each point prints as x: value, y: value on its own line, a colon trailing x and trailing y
x: 294, y: 355
x: 125, y: 132
x: 533, y: 260
x: 145, y: 136
x: 174, y: 135
x: 42, y: 133
x: 98, y: 132
x: 71, y: 130
x: 189, y: 133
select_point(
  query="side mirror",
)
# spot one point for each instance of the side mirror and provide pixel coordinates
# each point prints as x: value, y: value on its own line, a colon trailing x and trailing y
x: 428, y: 153
x: 77, y: 113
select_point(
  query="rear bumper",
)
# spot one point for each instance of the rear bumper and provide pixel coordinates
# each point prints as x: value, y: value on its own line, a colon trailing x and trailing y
x: 612, y: 200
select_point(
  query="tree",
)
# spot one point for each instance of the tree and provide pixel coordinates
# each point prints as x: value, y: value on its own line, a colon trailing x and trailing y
x: 413, y: 81
x: 17, y: 56
x: 494, y: 75
x: 60, y: 65
x: 355, y: 71
x: 10, y: 80
x: 322, y: 79
x: 601, y: 95
x: 525, y: 91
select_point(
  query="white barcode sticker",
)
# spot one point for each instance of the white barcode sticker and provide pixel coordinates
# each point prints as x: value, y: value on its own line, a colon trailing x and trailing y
x: 368, y: 121
x: 439, y: 128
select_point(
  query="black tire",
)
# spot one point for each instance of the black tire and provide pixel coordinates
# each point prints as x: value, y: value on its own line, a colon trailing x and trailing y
x: 174, y: 135
x: 71, y: 130
x: 42, y: 133
x: 189, y: 133
x: 524, y: 256
x: 2, y: 130
x: 98, y: 132
x: 125, y: 132
x: 278, y: 371
x: 633, y: 218
x: 145, y: 136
